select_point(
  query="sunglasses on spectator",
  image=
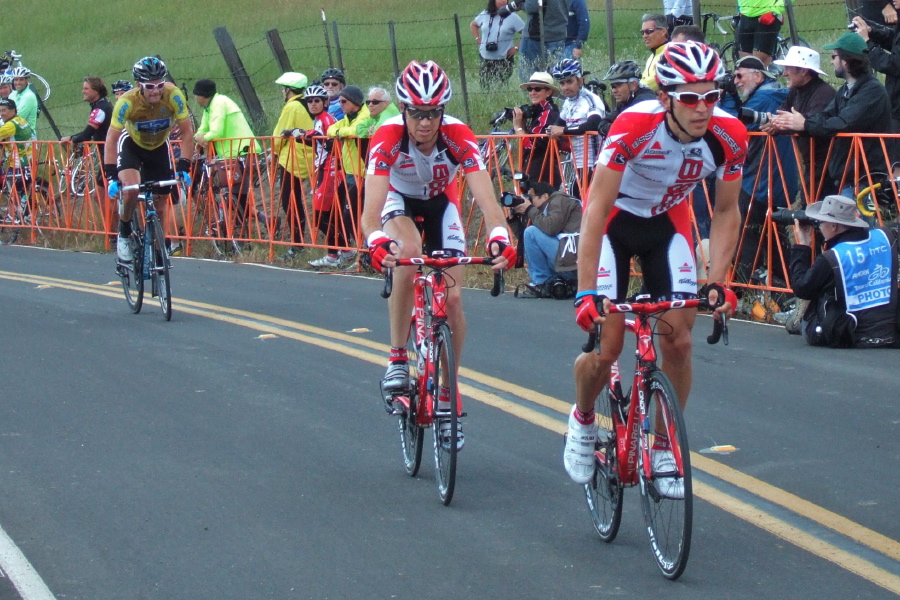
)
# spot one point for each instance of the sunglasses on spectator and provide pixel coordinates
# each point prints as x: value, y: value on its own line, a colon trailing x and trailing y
x: 421, y: 115
x: 344, y: 101
x: 691, y: 99
x: 536, y: 89
x: 649, y: 31
x: 375, y: 102
x: 150, y: 87
x: 331, y: 83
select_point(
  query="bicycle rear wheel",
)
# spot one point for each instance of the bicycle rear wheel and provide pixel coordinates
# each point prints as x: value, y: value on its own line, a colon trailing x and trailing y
x: 603, y: 492
x: 445, y: 450
x: 132, y: 276
x: 667, y: 506
x: 411, y: 435
x: 159, y: 272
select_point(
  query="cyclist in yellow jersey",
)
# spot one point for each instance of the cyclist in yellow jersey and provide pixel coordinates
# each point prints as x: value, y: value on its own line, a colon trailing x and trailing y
x: 137, y: 145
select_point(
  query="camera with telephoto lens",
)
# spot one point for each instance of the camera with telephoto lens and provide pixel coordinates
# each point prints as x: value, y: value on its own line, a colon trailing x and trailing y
x: 786, y: 216
x: 748, y: 116
x: 510, y: 200
x: 511, y: 7
x: 726, y: 84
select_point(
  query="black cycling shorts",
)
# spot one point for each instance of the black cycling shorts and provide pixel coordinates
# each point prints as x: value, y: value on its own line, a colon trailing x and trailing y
x: 153, y: 165
x: 438, y: 218
x: 663, y: 245
x: 753, y: 36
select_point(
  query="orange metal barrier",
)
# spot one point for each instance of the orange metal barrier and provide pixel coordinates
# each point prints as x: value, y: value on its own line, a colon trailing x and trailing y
x: 66, y: 196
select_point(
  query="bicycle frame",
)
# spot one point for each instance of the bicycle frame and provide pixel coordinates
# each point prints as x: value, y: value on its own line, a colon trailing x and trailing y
x: 635, y: 426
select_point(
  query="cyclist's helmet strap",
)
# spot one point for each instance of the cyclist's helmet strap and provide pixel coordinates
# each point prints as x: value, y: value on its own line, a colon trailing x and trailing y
x: 423, y: 84
x: 149, y: 68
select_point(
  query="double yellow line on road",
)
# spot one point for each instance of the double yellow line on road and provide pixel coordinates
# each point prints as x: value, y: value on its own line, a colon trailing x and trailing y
x: 374, y: 353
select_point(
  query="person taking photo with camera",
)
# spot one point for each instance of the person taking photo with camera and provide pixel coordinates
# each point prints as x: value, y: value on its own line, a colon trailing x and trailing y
x: 537, y: 118
x: 550, y: 241
x: 851, y: 286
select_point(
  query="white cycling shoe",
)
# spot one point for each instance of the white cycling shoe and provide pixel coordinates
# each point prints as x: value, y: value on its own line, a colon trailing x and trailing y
x: 665, y: 473
x: 578, y: 456
x: 123, y: 249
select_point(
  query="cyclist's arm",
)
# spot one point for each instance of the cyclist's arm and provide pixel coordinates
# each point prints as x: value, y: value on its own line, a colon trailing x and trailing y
x: 602, y: 198
x: 111, y: 148
x: 724, y: 230
x: 376, y: 190
x: 186, y: 127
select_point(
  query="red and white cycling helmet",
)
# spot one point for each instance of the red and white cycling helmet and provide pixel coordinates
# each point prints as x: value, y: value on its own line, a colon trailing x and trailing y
x: 423, y: 84
x: 688, y: 62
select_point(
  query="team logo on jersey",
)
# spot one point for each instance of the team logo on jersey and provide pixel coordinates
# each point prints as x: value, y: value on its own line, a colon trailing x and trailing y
x: 381, y: 166
x: 619, y: 159
x: 469, y: 163
x: 695, y: 152
x: 154, y: 126
x: 603, y: 273
x: 719, y: 131
x: 454, y: 227
x: 685, y: 268
x: 656, y: 151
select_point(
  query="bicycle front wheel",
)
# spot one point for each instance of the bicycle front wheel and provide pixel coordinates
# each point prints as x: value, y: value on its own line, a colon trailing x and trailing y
x: 133, y: 278
x: 159, y: 272
x: 411, y: 434
x: 446, y: 423
x: 666, y: 495
x: 40, y: 86
x: 603, y: 492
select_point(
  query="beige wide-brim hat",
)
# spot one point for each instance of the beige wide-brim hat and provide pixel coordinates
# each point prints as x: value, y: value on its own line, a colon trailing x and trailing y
x: 802, y: 58
x: 836, y: 209
x: 542, y: 78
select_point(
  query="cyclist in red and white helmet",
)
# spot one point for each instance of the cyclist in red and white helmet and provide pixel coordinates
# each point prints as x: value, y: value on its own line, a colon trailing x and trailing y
x: 414, y: 159
x: 653, y: 157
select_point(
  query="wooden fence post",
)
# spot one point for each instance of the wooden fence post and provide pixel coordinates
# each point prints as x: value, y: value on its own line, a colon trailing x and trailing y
x: 277, y: 47
x: 245, y: 86
x: 337, y: 46
x: 610, y: 26
x: 462, y: 68
x: 327, y: 39
x: 393, y: 38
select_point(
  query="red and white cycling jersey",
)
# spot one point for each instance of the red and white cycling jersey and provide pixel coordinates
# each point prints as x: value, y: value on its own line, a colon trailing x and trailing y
x: 659, y: 170
x: 415, y: 175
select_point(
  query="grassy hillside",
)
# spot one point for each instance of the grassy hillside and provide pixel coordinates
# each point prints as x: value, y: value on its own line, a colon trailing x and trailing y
x: 66, y: 40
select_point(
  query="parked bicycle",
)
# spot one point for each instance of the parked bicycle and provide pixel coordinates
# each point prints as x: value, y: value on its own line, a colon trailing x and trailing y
x: 11, y: 59
x: 26, y: 203
x: 151, y: 261
x: 629, y: 423
x: 226, y: 219
x: 432, y: 368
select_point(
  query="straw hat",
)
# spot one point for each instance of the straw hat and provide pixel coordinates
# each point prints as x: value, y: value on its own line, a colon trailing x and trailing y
x: 541, y: 78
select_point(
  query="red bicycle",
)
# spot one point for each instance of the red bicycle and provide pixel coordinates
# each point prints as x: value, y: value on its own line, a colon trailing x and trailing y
x: 432, y: 368
x: 629, y: 424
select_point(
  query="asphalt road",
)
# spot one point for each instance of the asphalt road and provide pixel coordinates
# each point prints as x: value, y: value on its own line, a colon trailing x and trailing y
x: 240, y: 451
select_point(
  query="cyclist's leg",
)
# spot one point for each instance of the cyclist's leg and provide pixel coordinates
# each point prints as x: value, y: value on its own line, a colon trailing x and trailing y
x: 670, y: 271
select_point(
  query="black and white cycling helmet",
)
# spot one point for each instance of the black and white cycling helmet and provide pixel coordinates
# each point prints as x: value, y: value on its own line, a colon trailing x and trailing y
x: 315, y: 91
x: 625, y: 70
x: 567, y: 67
x: 333, y: 73
x: 688, y: 62
x: 121, y: 85
x: 6, y: 77
x: 149, y: 68
x: 20, y: 72
x: 423, y: 84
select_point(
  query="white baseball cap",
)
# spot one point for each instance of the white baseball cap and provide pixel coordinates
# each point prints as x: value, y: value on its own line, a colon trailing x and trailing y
x: 803, y: 58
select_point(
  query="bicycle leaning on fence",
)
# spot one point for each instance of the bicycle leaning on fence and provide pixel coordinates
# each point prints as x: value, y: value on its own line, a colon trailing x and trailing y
x: 629, y: 423
x: 432, y: 368
x: 151, y: 261
x: 11, y: 59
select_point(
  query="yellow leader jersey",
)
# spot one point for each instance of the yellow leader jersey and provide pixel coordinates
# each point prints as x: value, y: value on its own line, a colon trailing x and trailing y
x: 149, y: 124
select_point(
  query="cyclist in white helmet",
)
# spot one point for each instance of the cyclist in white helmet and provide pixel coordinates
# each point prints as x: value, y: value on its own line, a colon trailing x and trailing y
x: 652, y: 158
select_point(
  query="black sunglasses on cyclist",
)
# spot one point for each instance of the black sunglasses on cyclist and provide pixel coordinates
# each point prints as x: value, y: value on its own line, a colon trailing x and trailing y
x: 150, y: 87
x: 421, y: 115
x: 690, y: 99
x: 649, y: 31
x: 375, y: 102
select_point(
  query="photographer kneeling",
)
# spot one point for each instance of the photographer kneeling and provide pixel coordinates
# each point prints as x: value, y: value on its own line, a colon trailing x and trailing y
x: 550, y: 241
x: 851, y: 286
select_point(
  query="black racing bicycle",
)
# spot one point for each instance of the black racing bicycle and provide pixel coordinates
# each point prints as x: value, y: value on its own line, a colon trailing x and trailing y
x: 151, y: 261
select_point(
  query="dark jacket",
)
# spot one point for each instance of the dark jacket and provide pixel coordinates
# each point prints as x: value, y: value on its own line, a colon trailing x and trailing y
x: 579, y: 26
x: 864, y: 108
x: 101, y: 113
x: 556, y: 20
x: 536, y: 148
x: 809, y: 100
x: 767, y: 98
x: 819, y: 283
x: 642, y: 94
x: 884, y: 56
x: 561, y: 214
